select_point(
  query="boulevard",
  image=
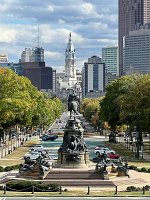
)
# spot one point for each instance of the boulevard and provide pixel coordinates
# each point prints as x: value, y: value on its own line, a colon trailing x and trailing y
x: 75, y: 198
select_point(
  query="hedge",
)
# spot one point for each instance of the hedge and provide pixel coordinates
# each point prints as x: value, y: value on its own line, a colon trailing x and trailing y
x: 28, y: 185
x: 9, y: 168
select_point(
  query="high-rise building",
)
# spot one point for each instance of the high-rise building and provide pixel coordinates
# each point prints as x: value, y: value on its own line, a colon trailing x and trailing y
x: 33, y: 55
x: 137, y: 51
x: 54, y: 81
x: 110, y: 58
x: 3, y: 60
x: 16, y: 67
x: 132, y: 15
x: 93, y: 77
x: 39, y: 75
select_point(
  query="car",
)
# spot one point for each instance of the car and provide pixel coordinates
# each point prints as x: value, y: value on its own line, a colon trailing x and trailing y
x: 113, y: 155
x: 33, y: 155
x: 37, y: 147
x: 100, y: 147
x: 50, y: 137
x: 103, y: 150
x: 44, y: 136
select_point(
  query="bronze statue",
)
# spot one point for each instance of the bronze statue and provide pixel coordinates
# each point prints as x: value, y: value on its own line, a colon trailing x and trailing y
x: 73, y: 103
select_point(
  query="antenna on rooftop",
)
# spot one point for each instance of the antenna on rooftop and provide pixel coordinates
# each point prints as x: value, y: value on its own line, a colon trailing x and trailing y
x: 38, y: 36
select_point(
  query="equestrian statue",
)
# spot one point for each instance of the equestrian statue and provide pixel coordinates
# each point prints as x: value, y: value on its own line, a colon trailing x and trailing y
x: 73, y: 104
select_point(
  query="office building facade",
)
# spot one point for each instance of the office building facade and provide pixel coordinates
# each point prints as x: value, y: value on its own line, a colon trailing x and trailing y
x: 137, y: 51
x: 39, y: 75
x: 110, y: 58
x: 93, y: 80
x: 32, y: 55
x: 132, y: 15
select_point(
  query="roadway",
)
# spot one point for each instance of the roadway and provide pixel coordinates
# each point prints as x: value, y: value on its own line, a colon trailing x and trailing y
x: 74, y: 198
x: 60, y: 123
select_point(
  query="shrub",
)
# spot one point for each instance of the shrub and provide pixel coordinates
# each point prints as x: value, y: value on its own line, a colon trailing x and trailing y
x: 27, y: 186
x: 1, y: 169
x: 147, y: 187
x: 131, y: 188
x: 148, y: 170
x: 132, y: 167
x: 143, y: 169
x: 138, y: 170
x: 8, y: 168
x: 138, y: 189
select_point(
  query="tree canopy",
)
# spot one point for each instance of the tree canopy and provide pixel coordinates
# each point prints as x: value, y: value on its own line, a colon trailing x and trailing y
x: 21, y: 102
x: 127, y: 101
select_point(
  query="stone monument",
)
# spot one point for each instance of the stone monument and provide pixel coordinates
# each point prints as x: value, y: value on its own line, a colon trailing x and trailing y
x: 73, y: 151
x: 36, y: 169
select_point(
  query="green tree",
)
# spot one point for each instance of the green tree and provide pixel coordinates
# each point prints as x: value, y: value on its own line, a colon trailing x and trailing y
x: 21, y: 102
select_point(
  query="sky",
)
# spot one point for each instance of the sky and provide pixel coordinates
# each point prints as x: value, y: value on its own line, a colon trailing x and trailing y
x: 93, y: 24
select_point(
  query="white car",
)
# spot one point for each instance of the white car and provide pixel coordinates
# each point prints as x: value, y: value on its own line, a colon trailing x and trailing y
x: 103, y: 150
x: 37, y: 147
x: 33, y: 155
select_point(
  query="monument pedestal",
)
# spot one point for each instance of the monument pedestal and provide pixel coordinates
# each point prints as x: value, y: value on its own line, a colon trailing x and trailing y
x: 73, y: 160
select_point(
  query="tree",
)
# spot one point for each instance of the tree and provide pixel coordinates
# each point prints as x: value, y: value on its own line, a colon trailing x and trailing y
x: 127, y: 100
x: 90, y: 110
x: 21, y: 102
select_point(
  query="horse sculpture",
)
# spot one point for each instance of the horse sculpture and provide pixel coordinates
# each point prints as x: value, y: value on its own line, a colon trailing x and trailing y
x: 73, y: 104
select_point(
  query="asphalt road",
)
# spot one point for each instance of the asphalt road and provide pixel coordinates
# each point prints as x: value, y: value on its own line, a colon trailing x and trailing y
x: 75, y: 198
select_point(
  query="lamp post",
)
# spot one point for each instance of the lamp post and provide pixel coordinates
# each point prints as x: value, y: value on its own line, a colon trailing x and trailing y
x: 139, y: 137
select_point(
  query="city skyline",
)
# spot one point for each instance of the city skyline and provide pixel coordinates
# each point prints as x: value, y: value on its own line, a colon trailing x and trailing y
x: 93, y: 25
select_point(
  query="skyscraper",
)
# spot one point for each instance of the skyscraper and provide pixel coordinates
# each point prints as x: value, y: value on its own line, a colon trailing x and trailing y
x: 137, y: 51
x: 132, y: 15
x: 110, y: 58
x: 93, y: 77
x: 32, y: 55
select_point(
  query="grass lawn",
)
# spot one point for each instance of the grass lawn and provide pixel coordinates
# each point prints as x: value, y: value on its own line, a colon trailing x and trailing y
x: 16, y: 157
x: 124, y: 152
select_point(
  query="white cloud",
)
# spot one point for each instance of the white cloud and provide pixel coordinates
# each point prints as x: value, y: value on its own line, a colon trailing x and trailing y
x: 88, y: 8
x: 100, y: 25
x: 109, y: 41
x: 58, y: 35
x: 50, y: 54
x: 93, y: 24
x: 61, y: 21
x: 7, y: 34
x: 50, y: 8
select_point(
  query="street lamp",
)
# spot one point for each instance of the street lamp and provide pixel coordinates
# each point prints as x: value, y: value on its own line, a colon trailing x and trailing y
x: 139, y: 140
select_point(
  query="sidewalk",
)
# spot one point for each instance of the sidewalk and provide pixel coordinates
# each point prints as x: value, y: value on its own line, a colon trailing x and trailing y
x: 137, y: 179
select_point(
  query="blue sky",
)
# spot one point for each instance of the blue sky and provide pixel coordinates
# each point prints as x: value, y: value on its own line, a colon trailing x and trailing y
x: 93, y: 24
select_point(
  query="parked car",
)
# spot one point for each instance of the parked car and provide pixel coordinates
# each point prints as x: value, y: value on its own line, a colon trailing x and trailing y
x: 99, y: 147
x: 33, y: 155
x: 50, y: 137
x: 37, y: 147
x: 113, y: 155
x: 103, y: 150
